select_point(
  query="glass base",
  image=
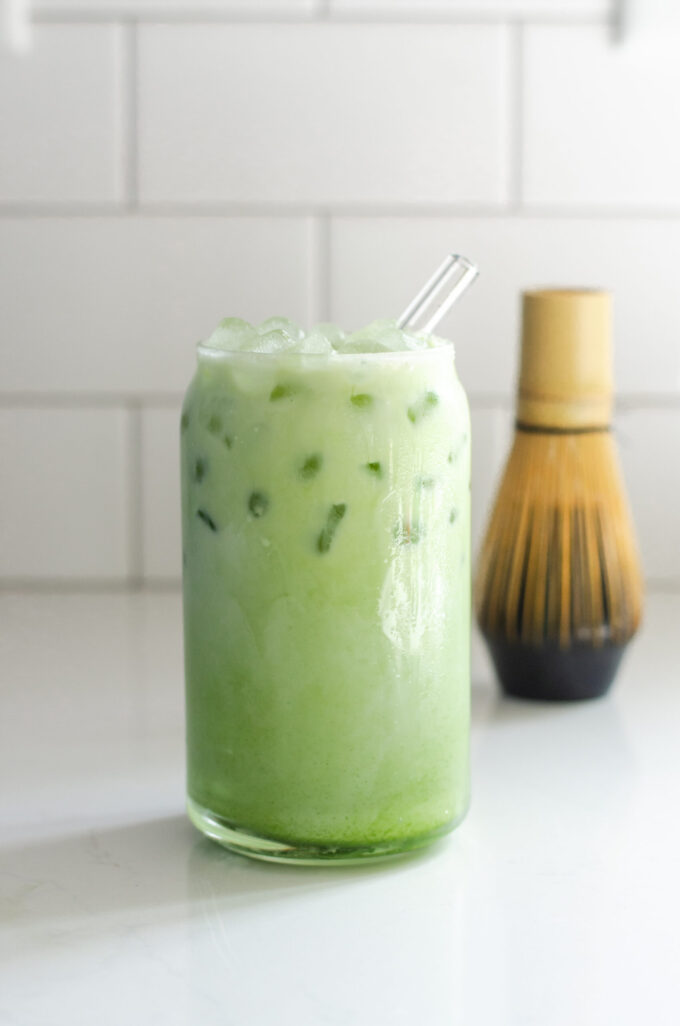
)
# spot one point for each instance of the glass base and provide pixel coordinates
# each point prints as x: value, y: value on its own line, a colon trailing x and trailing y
x: 244, y: 843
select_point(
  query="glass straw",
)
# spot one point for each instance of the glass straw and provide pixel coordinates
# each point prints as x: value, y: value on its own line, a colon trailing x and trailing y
x: 446, y: 285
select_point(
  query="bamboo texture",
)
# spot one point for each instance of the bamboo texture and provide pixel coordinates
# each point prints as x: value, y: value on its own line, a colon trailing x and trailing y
x: 559, y: 561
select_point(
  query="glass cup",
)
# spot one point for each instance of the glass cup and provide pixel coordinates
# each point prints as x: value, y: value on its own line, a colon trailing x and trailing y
x: 326, y: 553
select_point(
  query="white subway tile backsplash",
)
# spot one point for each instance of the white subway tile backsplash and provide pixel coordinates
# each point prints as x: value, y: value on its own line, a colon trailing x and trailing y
x: 378, y: 263
x: 492, y: 432
x: 489, y: 8
x: 61, y: 117
x: 321, y: 113
x: 649, y: 446
x: 598, y: 120
x: 332, y: 106
x: 117, y: 304
x: 65, y: 499
x: 263, y: 8
x: 161, y: 532
x: 185, y: 8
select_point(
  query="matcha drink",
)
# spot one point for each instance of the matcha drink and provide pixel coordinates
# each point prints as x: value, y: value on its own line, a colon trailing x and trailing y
x: 325, y: 484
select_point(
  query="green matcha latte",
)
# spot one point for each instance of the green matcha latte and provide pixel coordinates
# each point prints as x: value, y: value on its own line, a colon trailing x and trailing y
x: 326, y: 521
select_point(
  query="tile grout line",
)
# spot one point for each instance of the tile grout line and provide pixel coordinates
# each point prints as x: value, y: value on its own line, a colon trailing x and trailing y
x: 319, y: 271
x: 63, y: 585
x: 165, y: 585
x: 416, y: 16
x: 327, y: 283
x: 359, y: 211
x: 312, y: 270
x: 93, y: 400
x: 321, y: 10
x: 130, y: 106
x: 135, y: 496
x: 169, y: 16
x: 318, y: 308
x: 515, y: 116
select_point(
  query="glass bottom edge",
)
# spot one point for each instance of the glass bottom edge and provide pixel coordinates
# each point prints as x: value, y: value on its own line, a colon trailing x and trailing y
x: 268, y: 849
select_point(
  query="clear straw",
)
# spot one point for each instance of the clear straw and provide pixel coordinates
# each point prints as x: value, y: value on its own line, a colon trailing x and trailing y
x: 438, y: 295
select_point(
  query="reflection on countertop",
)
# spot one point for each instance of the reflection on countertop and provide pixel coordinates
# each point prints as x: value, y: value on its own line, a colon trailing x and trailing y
x: 549, y: 905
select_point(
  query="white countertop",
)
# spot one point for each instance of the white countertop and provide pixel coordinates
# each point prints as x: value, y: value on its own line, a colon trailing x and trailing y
x: 556, y: 903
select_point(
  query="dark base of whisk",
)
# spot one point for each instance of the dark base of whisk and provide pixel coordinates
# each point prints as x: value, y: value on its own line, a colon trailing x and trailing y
x: 548, y: 673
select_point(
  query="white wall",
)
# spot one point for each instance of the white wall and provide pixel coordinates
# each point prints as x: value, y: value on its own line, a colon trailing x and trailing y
x: 165, y: 163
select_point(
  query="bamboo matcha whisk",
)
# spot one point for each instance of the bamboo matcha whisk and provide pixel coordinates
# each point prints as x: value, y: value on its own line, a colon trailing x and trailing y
x: 558, y: 590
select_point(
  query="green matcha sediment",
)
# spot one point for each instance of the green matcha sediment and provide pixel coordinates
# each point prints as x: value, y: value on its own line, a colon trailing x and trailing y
x: 326, y: 594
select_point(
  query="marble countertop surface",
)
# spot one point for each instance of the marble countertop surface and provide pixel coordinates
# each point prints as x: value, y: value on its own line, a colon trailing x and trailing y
x: 556, y: 903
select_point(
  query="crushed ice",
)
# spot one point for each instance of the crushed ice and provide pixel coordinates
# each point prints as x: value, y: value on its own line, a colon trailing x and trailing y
x: 280, y: 335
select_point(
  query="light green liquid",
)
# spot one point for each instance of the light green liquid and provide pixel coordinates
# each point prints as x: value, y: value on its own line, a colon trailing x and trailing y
x: 326, y: 601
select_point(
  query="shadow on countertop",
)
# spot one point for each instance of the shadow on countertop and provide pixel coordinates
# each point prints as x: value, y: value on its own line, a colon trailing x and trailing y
x: 151, y: 872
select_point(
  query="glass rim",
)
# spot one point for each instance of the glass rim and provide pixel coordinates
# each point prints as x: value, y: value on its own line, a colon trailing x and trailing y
x: 245, y: 356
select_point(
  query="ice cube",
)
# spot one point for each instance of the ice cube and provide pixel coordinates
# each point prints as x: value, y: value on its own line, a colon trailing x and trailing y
x: 415, y: 342
x: 420, y: 340
x: 281, y: 324
x: 314, y: 344
x: 332, y: 332
x: 275, y: 341
x: 374, y: 329
x: 393, y: 341
x: 382, y: 336
x: 357, y: 342
x: 231, y: 334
